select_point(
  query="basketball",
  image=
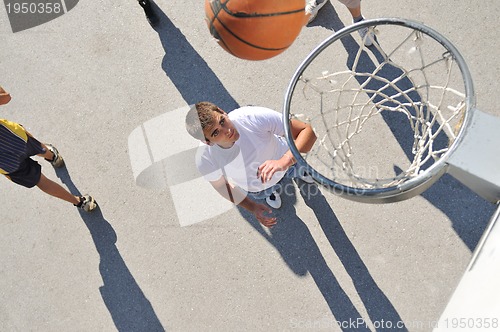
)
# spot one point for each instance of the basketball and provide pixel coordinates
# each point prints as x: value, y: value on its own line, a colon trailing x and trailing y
x: 255, y: 29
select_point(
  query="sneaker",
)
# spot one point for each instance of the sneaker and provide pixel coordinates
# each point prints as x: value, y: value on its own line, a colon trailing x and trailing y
x: 148, y: 10
x: 313, y: 7
x: 57, y: 161
x: 305, y: 177
x: 367, y: 36
x: 274, y: 200
x: 87, y: 203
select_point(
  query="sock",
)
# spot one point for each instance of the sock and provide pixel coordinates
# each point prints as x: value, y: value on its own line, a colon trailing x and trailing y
x: 81, y: 202
x: 53, y: 157
x: 357, y: 19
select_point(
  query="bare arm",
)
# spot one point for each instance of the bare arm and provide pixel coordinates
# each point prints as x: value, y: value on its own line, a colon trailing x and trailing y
x: 303, y: 137
x: 238, y: 197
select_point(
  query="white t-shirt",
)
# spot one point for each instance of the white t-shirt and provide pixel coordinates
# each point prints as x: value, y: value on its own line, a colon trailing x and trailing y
x: 261, y: 138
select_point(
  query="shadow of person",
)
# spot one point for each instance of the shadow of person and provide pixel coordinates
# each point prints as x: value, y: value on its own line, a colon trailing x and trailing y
x: 295, y: 243
x: 187, y: 70
x: 127, y: 304
x: 196, y: 81
x: 378, y: 306
x: 468, y: 212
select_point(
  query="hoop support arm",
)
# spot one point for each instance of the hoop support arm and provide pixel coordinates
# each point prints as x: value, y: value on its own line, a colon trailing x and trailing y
x: 476, y: 160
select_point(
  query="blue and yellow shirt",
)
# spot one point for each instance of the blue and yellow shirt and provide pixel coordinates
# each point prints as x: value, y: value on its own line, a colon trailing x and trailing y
x: 13, y: 140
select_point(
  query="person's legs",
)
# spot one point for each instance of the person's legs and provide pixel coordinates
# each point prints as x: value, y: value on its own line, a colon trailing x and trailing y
x: 50, y: 187
x: 354, y: 7
x: 355, y: 12
x: 271, y: 195
x: 48, y: 155
x: 52, y: 155
x: 29, y: 174
x: 312, y: 8
x: 298, y: 172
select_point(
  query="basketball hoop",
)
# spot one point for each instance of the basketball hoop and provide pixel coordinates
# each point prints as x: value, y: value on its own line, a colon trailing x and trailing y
x: 388, y: 117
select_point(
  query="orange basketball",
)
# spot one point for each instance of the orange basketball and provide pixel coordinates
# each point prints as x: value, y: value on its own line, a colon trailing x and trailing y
x: 255, y: 29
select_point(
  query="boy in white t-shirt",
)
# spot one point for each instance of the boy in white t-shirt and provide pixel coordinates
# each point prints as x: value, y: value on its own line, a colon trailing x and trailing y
x: 246, y: 154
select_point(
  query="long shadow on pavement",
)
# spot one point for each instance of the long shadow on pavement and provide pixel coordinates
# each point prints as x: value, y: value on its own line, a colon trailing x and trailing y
x: 187, y: 70
x: 377, y: 305
x: 293, y: 240
x: 196, y: 82
x: 127, y: 304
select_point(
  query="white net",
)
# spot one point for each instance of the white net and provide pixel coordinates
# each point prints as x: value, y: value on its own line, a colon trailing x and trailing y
x: 382, y: 114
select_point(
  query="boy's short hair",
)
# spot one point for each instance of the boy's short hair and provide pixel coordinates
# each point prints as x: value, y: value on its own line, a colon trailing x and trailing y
x: 199, y: 117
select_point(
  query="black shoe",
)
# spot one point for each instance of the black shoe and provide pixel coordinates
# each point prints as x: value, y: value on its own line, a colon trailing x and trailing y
x: 148, y: 10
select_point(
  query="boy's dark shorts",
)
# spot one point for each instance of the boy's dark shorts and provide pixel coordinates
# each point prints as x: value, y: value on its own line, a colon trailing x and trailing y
x: 29, y: 172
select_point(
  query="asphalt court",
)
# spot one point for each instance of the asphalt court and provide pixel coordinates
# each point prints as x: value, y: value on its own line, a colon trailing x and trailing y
x: 87, y: 80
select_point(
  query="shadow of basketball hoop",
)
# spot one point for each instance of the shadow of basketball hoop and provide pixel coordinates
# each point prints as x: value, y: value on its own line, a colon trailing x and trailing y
x: 196, y: 81
x: 469, y: 223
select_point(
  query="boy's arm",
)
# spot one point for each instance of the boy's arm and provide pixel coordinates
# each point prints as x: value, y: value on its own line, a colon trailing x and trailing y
x: 238, y: 197
x: 303, y: 137
x: 4, y: 96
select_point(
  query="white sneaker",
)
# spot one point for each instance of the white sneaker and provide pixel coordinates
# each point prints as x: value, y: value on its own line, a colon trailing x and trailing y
x: 305, y: 177
x: 274, y: 200
x: 87, y: 203
x: 57, y: 161
x: 313, y: 7
x: 367, y: 36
